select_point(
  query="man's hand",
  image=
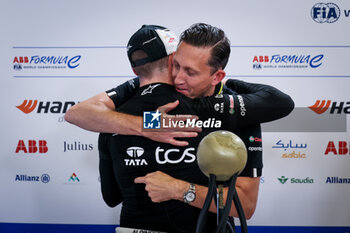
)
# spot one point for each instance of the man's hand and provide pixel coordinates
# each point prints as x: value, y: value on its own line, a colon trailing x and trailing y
x: 162, y: 187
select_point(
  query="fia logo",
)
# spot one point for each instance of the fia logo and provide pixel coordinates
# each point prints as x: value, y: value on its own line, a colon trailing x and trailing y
x: 325, y: 12
x: 151, y: 120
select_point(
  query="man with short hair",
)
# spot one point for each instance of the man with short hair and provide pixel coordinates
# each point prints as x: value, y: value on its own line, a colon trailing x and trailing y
x: 171, y: 172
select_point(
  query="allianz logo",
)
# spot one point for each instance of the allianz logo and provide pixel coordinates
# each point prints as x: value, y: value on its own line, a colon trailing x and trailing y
x: 162, y: 156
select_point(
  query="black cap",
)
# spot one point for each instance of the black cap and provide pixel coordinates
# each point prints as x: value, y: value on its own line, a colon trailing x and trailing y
x: 156, y: 41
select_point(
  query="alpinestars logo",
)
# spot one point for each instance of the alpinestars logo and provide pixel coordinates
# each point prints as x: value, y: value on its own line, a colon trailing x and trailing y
x: 149, y: 89
x: 321, y: 106
x: 29, y: 106
x: 135, y: 153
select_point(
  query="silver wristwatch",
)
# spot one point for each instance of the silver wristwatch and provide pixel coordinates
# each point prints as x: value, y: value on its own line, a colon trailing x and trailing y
x: 190, y: 194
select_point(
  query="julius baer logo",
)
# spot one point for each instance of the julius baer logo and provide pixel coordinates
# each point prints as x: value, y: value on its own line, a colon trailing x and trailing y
x: 155, y: 120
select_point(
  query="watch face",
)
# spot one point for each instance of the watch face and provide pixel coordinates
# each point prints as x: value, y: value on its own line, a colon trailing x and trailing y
x: 190, y: 196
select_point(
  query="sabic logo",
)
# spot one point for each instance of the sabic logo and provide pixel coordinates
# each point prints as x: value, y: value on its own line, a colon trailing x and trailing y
x: 322, y: 106
x: 342, y: 148
x: 135, y: 153
x: 33, y: 146
x: 28, y: 106
x: 325, y: 12
x: 282, y: 179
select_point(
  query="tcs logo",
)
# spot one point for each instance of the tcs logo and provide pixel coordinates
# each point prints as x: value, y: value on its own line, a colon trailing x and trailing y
x: 32, y: 146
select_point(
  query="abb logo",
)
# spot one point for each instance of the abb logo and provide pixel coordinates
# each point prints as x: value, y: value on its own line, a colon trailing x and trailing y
x: 342, y: 148
x: 322, y: 106
x: 21, y: 60
x: 32, y: 146
x: 261, y: 59
x: 28, y: 106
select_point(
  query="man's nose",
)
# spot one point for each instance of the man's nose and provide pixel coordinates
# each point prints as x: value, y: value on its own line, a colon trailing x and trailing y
x: 179, y: 77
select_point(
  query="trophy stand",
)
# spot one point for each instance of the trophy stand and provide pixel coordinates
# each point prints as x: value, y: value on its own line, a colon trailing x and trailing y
x: 222, y: 164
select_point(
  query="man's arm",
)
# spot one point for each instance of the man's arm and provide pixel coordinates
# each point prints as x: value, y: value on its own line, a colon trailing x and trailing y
x: 98, y: 114
x: 162, y: 187
x: 264, y: 101
x: 110, y: 190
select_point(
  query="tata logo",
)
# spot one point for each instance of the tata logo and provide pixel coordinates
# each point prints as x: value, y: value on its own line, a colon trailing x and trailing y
x: 29, y: 106
x: 321, y: 106
x: 135, y: 153
x: 32, y: 146
x: 175, y: 156
x: 325, y: 12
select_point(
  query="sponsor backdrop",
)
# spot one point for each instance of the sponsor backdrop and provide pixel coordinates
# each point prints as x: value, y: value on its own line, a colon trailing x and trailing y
x: 55, y: 54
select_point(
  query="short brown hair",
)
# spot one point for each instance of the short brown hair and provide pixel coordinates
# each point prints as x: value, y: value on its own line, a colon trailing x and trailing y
x: 147, y: 69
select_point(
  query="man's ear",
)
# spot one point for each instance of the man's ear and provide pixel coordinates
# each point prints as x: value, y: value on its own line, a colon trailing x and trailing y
x: 218, y: 76
x: 134, y: 71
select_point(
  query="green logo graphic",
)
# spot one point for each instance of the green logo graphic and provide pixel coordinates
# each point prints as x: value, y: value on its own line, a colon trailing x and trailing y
x: 282, y: 179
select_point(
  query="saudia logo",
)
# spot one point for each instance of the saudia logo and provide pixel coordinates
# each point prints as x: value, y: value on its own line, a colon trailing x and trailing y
x: 306, y: 180
x: 321, y: 106
x: 44, y: 62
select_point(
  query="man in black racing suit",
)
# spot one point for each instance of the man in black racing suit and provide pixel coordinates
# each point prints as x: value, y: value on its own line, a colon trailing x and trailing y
x: 128, y: 157
x: 124, y: 159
